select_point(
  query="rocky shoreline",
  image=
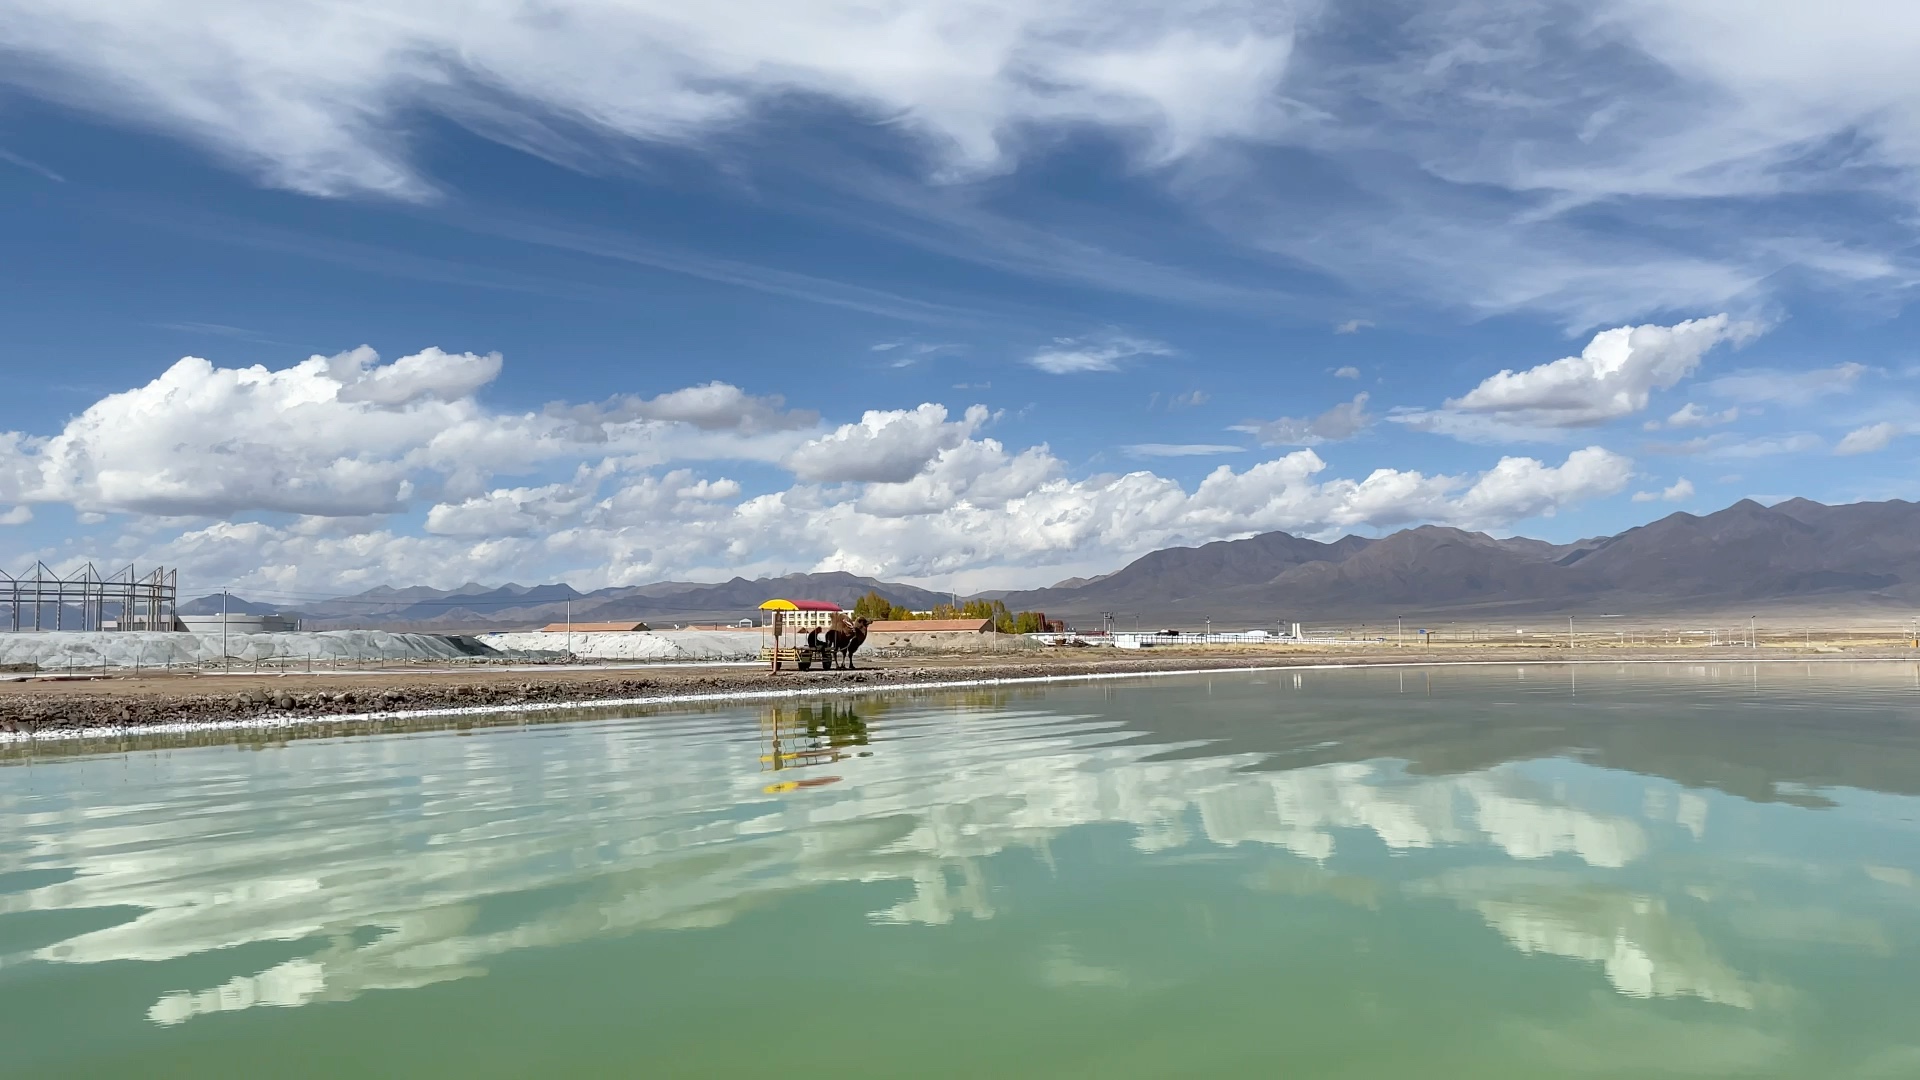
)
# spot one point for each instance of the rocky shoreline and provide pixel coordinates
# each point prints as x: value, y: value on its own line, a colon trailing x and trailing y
x: 34, y: 707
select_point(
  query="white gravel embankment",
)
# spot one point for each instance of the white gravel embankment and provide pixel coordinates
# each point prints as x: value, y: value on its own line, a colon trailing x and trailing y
x: 125, y: 649
x: 644, y: 645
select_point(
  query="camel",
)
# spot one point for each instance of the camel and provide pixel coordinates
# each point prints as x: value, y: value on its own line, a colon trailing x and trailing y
x: 844, y: 638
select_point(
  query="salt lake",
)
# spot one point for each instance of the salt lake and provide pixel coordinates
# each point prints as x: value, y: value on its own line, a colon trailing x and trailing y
x: 1700, y: 870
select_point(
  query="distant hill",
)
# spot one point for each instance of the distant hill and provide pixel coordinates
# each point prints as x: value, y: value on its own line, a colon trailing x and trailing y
x: 1799, y: 552
x: 1796, y: 553
x: 210, y: 605
x: 475, y: 607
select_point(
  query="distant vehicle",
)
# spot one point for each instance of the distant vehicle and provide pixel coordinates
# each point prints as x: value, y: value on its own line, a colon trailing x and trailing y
x: 1169, y: 633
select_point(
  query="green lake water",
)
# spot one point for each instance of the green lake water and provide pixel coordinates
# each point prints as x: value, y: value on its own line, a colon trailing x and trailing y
x: 1487, y: 873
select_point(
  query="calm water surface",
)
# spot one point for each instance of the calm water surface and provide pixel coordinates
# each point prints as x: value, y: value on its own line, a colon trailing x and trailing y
x: 1708, y: 871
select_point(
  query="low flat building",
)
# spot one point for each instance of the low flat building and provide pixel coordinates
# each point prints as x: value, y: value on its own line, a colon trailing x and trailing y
x: 595, y: 628
x: 801, y: 615
x: 930, y: 626
x: 236, y: 623
x: 939, y: 635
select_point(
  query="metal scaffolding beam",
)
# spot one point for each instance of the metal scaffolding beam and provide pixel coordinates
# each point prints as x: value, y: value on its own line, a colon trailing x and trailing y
x: 83, y: 599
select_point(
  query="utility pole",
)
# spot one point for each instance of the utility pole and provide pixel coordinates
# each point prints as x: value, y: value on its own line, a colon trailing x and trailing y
x: 226, y: 664
x: 1569, y: 633
x: 1753, y: 635
x: 569, y: 626
x: 1399, y: 630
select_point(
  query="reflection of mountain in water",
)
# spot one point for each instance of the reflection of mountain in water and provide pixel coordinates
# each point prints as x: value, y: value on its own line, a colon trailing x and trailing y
x: 1722, y: 726
x: 663, y: 825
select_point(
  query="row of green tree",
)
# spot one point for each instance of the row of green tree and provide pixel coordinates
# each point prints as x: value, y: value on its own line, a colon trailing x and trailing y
x: 876, y: 607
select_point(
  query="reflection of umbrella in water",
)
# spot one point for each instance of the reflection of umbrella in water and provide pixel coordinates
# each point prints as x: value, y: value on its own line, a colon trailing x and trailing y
x: 785, y: 786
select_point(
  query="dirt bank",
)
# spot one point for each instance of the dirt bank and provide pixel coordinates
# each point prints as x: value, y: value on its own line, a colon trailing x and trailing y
x: 55, y: 705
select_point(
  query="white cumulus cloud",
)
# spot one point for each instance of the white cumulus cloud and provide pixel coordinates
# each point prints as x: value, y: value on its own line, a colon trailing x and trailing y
x: 348, y: 436
x: 718, y: 406
x: 1613, y: 377
x: 1518, y: 488
x: 195, y: 457
x: 1680, y: 491
x: 886, y: 446
x: 430, y: 373
x: 976, y: 511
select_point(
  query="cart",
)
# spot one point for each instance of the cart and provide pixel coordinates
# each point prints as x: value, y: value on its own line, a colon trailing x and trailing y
x: 783, y: 635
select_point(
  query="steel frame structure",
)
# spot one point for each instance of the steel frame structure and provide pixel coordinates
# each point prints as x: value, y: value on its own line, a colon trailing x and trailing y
x: 140, y: 603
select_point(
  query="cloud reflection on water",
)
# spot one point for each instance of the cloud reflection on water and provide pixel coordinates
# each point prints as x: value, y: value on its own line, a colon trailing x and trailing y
x: 668, y: 823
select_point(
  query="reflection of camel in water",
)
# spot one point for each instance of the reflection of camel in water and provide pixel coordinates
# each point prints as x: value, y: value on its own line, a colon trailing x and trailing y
x: 844, y: 638
x: 811, y: 735
x: 836, y: 723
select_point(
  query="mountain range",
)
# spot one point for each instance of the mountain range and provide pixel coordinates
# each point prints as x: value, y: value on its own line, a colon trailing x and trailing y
x: 474, y: 607
x: 1798, y: 554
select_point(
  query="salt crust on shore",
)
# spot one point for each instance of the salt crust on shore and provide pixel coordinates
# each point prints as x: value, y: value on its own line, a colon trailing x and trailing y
x: 643, y: 645
x: 56, y: 650
x: 283, y: 722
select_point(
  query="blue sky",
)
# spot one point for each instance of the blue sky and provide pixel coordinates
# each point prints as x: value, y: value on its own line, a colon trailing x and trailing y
x: 976, y: 293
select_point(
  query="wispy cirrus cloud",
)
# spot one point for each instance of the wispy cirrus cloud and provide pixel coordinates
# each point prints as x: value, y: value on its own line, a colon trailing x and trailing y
x: 1761, y: 385
x: 1343, y: 421
x: 328, y: 115
x: 1872, y: 438
x: 1176, y: 450
x: 1469, y: 136
x: 1726, y: 445
x: 906, y: 354
x: 1691, y: 415
x: 1074, y: 356
x: 31, y: 166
